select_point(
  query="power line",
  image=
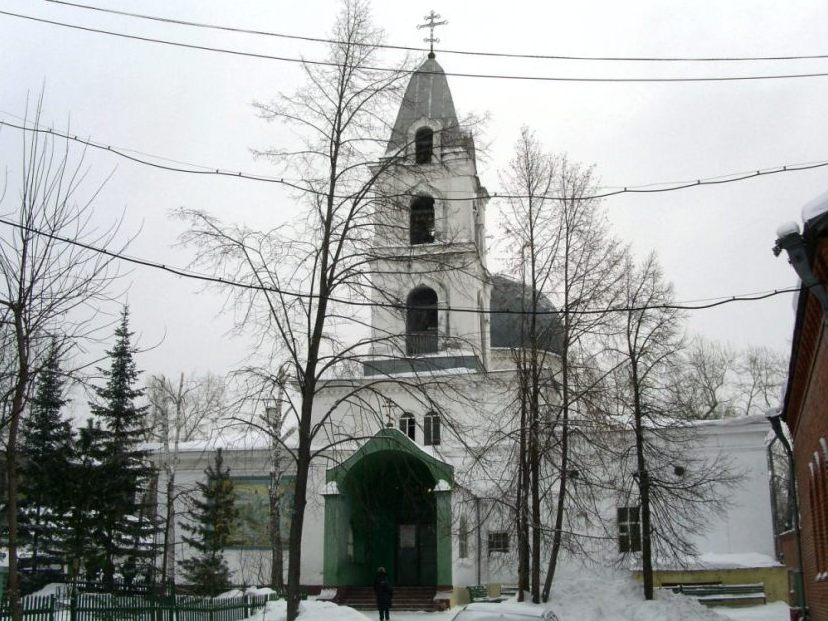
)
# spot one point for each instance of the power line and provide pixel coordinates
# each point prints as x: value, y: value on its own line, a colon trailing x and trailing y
x: 750, y: 297
x: 280, y: 35
x: 492, y: 76
x: 294, y: 184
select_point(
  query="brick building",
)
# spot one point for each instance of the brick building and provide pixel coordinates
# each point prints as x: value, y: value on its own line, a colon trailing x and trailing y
x: 805, y: 407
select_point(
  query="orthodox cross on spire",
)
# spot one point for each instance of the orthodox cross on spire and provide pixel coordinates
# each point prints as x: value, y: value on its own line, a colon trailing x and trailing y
x: 431, y: 24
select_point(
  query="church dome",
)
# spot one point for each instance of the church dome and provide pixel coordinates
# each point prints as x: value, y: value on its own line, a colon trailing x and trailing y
x: 427, y: 96
x: 505, y: 328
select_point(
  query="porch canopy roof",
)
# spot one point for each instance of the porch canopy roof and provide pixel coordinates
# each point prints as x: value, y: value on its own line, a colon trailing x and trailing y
x: 396, y: 441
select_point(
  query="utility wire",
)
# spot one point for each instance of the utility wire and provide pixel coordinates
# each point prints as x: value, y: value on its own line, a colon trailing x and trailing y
x: 294, y: 184
x: 491, y: 76
x: 750, y: 297
x: 280, y: 35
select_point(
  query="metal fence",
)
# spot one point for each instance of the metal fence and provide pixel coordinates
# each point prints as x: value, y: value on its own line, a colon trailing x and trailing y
x: 107, y: 607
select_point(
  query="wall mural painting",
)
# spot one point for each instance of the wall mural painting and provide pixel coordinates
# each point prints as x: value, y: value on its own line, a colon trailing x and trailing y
x: 252, y: 526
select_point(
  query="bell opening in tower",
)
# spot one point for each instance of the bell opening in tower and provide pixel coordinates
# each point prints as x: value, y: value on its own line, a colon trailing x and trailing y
x: 424, y: 145
x: 421, y: 322
x: 422, y: 220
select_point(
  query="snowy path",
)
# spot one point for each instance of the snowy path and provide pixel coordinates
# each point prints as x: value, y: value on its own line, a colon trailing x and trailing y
x: 772, y: 612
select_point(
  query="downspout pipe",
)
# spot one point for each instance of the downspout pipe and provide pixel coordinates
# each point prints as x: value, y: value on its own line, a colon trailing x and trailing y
x: 774, y: 417
x: 479, y: 538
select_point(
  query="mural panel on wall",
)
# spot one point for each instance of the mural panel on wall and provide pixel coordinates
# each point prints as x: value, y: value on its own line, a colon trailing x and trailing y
x: 252, y: 526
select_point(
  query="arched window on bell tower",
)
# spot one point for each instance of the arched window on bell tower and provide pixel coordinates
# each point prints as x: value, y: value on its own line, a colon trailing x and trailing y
x: 424, y: 145
x: 422, y: 220
x: 421, y: 321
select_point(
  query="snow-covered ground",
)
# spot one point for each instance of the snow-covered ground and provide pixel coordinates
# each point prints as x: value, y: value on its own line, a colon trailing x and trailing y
x: 594, y: 595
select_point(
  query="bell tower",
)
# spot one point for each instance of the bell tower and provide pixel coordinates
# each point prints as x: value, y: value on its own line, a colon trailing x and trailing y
x: 429, y: 251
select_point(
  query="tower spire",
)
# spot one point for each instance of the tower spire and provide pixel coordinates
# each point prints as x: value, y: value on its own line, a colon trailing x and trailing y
x: 431, y: 24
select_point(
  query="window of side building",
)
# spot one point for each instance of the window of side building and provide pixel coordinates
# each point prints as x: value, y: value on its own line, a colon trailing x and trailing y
x: 629, y: 529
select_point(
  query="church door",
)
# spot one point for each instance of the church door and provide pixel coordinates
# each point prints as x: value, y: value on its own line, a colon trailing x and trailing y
x: 407, y: 555
x: 416, y: 554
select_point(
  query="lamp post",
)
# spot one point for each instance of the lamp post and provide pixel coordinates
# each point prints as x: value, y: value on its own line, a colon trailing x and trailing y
x: 774, y: 417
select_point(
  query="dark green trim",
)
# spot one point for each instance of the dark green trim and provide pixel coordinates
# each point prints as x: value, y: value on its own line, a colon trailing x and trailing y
x: 391, y: 440
x: 343, y: 569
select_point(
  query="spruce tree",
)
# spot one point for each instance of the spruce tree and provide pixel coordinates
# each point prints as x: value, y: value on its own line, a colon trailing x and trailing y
x: 211, y: 520
x: 45, y: 451
x: 125, y: 470
x: 82, y: 540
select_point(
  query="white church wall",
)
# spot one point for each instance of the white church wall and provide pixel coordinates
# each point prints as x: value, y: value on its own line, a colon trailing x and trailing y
x: 747, y: 526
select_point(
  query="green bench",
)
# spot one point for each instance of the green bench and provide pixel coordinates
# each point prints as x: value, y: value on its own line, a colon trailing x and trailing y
x: 724, y: 594
x: 282, y: 594
x: 479, y: 593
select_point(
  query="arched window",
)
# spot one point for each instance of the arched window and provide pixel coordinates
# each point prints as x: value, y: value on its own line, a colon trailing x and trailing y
x: 431, y: 429
x: 408, y: 426
x: 424, y: 145
x: 421, y: 322
x: 422, y: 220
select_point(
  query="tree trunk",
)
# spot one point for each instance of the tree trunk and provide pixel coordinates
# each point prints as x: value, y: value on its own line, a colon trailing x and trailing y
x: 534, y: 463
x: 11, y: 475
x: 168, y: 560
x: 277, y: 580
x: 18, y: 400
x: 276, y: 555
x: 564, y: 478
x: 522, y: 490
x: 644, y: 488
x: 298, y: 514
x: 38, y: 525
x: 559, y: 512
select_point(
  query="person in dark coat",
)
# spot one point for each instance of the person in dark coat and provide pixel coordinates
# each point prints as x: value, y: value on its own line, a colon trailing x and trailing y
x: 384, y: 591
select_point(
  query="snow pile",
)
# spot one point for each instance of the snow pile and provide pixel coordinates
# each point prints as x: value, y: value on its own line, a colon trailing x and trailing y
x: 308, y: 611
x: 53, y: 588
x: 777, y: 611
x: 238, y: 593
x: 606, y: 595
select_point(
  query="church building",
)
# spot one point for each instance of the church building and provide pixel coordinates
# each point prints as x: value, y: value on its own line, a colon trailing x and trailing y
x: 417, y: 473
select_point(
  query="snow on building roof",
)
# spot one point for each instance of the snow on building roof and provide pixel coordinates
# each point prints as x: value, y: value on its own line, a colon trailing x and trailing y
x: 815, y: 207
x: 741, y: 560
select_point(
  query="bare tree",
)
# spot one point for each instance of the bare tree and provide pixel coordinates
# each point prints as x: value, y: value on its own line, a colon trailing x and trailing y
x: 51, y: 285
x: 667, y: 492
x: 703, y: 381
x: 710, y: 380
x: 762, y: 373
x: 180, y: 411
x: 562, y: 251
x: 305, y: 282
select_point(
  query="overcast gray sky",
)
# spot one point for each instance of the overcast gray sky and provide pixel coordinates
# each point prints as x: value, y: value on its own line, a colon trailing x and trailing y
x: 194, y: 106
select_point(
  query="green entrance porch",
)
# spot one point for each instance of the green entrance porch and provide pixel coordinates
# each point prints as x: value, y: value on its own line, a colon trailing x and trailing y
x: 388, y: 505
